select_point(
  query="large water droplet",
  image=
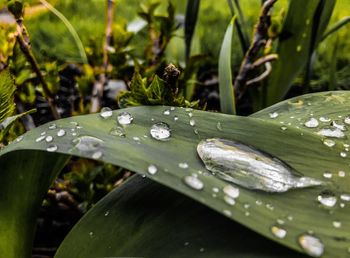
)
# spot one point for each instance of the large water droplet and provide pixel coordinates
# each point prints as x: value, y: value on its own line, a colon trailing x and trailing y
x: 311, y: 123
x: 345, y: 197
x: 278, y: 232
x: 106, y: 112
x: 125, y: 118
x: 160, y: 131
x: 49, y: 138
x: 231, y: 191
x: 331, y: 132
x: 338, y: 125
x: 250, y: 168
x: 327, y: 199
x: 311, y: 245
x: 193, y: 182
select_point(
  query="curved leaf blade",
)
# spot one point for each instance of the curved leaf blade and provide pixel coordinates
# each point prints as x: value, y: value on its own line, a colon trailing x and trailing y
x: 145, y: 219
x: 300, y: 148
x: 7, y: 91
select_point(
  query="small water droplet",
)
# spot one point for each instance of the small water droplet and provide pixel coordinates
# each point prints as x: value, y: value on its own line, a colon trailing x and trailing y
x: 219, y: 126
x: 160, y: 131
x: 52, y: 126
x: 52, y: 148
x: 247, y: 213
x: 193, y: 182
x: 327, y: 199
x: 336, y: 224
x: 166, y: 112
x: 201, y: 250
x: 172, y: 108
x: 88, y: 145
x: 152, y: 169
x: 41, y: 138
x: 278, y: 232
x: 311, y: 245
x: 227, y: 213
x: 231, y: 191
x: 324, y: 119
x: 106, y: 213
x: 61, y: 133
x: 124, y: 118
x: 331, y: 132
x: 273, y: 115
x: 329, y: 142
x: 341, y: 173
x: 229, y: 200
x: 43, y: 133
x: 91, y: 234
x: 283, y: 128
x: 117, y: 131
x: 347, y: 120
x: 345, y: 197
x: 97, y: 155
x: 192, y: 122
x: 183, y: 165
x: 299, y: 48
x: 136, y: 139
x: 106, y: 112
x: 240, y: 164
x: 343, y: 154
x: 327, y: 174
x: 341, y: 127
x: 19, y: 138
x: 176, y: 118
x: 215, y: 189
x: 49, y: 138
x: 258, y: 202
x: 311, y: 123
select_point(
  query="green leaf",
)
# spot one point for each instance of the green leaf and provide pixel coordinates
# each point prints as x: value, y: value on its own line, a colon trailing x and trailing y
x: 299, y: 34
x: 340, y: 24
x: 162, y: 228
x: 6, y: 125
x: 227, y: 97
x: 7, y: 91
x: 192, y: 9
x: 297, y: 211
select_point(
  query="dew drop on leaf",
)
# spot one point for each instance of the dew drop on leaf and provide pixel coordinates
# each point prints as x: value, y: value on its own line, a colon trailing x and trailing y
x: 311, y: 245
x: 278, y: 232
x: 327, y: 199
x: 329, y: 142
x: 117, y: 131
x: 231, y: 191
x: 52, y: 126
x: 345, y: 197
x: 152, y: 169
x: 242, y: 165
x: 124, y: 118
x: 331, y: 132
x: 166, y: 112
x: 106, y: 112
x: 273, y: 115
x: 183, y: 165
x: 49, y: 138
x: 347, y: 120
x: 97, y: 155
x: 52, y: 148
x: 229, y: 200
x: 311, y: 123
x: 61, y: 133
x: 88, y: 145
x: 192, y: 122
x: 336, y: 224
x: 160, y: 131
x: 193, y: 182
x: 41, y: 138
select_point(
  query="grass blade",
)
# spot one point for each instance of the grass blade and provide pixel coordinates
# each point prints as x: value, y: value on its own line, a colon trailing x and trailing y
x: 227, y: 97
x: 340, y: 24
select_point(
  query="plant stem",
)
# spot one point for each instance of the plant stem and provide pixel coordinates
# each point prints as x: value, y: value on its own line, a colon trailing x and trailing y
x: 259, y: 40
x: 97, y: 92
x: 24, y: 43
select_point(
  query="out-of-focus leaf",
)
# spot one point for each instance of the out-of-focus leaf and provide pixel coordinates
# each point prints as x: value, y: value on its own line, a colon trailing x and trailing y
x: 145, y: 219
x: 294, y: 44
x: 7, y: 91
x: 190, y: 23
x: 227, y: 97
x: 5, y: 125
